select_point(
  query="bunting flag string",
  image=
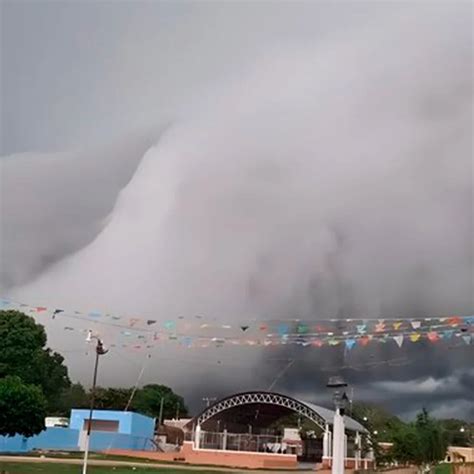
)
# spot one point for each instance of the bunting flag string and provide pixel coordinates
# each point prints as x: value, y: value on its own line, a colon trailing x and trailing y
x: 199, y: 332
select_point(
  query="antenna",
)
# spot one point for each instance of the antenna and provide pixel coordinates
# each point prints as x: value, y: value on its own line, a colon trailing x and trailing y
x: 208, y: 400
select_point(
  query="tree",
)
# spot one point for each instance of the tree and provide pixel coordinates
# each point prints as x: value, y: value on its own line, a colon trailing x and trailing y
x: 433, y: 439
x: 112, y: 398
x: 406, y: 445
x: 74, y: 396
x: 148, y: 400
x: 458, y: 431
x: 24, y: 355
x: 380, y: 422
x: 422, y: 443
x: 22, y: 408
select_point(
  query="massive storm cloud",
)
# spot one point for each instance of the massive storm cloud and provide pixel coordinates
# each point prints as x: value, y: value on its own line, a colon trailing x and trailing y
x: 327, y: 175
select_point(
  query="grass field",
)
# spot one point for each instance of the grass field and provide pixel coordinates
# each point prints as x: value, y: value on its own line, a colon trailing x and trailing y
x: 50, y: 468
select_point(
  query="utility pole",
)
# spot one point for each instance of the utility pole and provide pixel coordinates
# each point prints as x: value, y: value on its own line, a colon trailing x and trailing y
x: 160, y: 417
x: 338, y: 444
x: 351, y: 400
x: 99, y: 350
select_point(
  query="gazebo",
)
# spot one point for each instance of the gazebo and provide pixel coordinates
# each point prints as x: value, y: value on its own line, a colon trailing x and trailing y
x: 240, y: 422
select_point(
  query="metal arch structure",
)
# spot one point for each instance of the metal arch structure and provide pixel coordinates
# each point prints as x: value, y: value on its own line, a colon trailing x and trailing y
x: 267, y: 398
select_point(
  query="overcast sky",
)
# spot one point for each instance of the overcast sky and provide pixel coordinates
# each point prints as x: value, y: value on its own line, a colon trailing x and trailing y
x: 309, y: 159
x: 82, y: 72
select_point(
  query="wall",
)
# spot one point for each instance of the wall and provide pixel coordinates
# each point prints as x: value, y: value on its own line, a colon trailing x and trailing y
x: 455, y: 451
x: 66, y: 439
x: 78, y: 417
x: 16, y: 444
x: 143, y: 426
x: 463, y: 469
x: 189, y: 455
x: 52, y: 438
x: 102, y: 441
x: 129, y: 423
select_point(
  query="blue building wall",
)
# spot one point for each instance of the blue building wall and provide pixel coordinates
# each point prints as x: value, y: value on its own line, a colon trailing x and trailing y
x: 52, y: 438
x: 143, y: 426
x: 17, y: 444
x: 129, y: 423
x: 56, y: 439
x: 135, y: 432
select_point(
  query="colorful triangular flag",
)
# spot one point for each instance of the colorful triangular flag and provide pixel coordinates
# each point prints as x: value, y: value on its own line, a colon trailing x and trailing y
x: 398, y: 339
x: 350, y: 343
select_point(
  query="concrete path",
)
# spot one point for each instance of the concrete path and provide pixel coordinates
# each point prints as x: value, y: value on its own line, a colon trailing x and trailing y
x: 104, y: 462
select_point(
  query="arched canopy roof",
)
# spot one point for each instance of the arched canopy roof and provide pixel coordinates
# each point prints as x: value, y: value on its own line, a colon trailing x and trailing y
x: 319, y: 415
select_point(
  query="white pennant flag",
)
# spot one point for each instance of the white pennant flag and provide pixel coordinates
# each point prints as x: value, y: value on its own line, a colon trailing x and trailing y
x: 398, y: 340
x: 415, y: 324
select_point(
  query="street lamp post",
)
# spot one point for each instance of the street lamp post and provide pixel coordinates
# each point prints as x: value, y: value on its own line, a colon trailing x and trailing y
x: 338, y: 445
x: 99, y: 350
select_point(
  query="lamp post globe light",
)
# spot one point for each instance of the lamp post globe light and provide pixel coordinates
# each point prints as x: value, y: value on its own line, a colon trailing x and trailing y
x: 340, y: 400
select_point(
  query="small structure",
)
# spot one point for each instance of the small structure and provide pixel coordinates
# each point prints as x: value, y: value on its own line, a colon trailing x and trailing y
x: 258, y: 410
x: 237, y: 432
x: 56, y: 421
x: 120, y: 427
x: 460, y: 454
x: 109, y: 430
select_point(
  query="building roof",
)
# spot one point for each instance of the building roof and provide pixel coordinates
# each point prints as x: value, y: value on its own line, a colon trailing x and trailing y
x: 328, y: 416
x: 320, y: 415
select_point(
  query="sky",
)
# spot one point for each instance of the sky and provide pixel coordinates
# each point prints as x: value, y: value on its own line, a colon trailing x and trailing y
x: 241, y: 160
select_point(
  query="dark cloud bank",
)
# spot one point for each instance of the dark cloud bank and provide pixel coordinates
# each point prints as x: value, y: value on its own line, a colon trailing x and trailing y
x: 328, y: 178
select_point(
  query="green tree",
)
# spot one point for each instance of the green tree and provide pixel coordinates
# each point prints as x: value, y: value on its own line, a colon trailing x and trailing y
x: 457, y: 431
x: 74, y: 396
x: 22, y: 408
x: 433, y: 439
x: 112, y: 398
x: 24, y: 355
x: 407, y: 445
x: 148, y: 399
x: 381, y: 423
x: 423, y: 443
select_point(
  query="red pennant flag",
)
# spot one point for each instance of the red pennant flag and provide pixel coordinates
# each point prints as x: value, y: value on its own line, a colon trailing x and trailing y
x: 454, y: 320
x: 363, y: 341
x: 433, y: 336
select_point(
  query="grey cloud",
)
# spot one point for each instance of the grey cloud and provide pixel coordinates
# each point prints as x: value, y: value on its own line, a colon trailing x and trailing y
x: 52, y: 205
x: 327, y: 175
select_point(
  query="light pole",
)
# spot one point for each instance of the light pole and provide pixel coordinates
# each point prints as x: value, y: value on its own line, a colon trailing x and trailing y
x: 338, y: 446
x: 160, y: 417
x: 99, y: 350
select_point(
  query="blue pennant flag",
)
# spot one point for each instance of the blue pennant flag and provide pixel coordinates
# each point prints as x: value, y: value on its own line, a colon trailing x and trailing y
x: 283, y: 329
x: 350, y: 343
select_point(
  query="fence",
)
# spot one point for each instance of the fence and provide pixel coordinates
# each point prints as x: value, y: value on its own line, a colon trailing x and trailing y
x: 243, y: 442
